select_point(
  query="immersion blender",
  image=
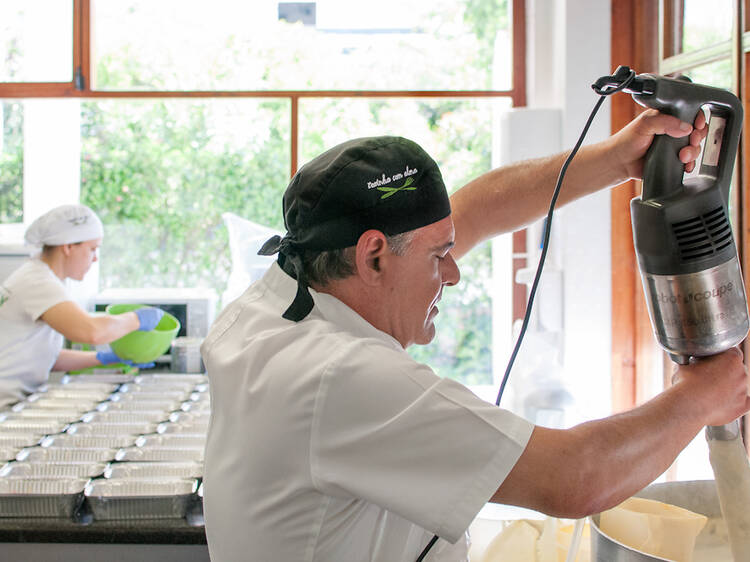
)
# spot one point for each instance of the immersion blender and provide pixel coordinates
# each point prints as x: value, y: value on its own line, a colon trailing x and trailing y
x: 688, y: 261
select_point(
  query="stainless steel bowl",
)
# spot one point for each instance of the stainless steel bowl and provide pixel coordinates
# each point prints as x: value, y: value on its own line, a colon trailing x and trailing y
x: 698, y: 496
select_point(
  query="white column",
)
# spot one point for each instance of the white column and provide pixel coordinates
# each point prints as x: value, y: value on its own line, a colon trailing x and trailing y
x: 568, y: 49
x: 51, y: 155
x: 52, y: 168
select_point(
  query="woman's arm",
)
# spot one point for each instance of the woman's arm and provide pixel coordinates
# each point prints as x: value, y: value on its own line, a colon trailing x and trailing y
x: 73, y: 360
x: 78, y: 326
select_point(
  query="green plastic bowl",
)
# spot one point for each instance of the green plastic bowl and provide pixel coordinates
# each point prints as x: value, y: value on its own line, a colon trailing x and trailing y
x: 144, y: 347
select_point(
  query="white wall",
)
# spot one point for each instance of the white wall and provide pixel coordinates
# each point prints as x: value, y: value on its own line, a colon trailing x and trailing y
x: 568, y: 49
x: 51, y: 167
x: 51, y: 155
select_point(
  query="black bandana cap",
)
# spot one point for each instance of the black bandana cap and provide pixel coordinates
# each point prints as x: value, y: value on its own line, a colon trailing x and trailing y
x: 388, y: 184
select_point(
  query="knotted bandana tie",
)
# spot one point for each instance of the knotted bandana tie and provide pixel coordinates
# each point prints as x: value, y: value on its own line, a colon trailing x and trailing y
x: 303, y: 302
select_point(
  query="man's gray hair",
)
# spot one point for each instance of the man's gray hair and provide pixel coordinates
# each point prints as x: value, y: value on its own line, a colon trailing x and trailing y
x: 329, y: 265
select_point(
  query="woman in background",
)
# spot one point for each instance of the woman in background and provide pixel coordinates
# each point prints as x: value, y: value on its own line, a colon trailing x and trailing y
x: 37, y: 311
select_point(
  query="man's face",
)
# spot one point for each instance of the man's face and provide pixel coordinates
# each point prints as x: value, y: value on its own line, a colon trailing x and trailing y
x: 415, y: 282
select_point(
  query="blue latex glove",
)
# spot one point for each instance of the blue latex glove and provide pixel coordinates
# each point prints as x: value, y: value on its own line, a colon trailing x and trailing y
x: 110, y: 357
x: 148, y: 317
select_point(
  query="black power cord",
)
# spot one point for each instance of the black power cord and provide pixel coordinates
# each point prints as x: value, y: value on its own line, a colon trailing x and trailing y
x: 621, y: 83
x: 605, y: 86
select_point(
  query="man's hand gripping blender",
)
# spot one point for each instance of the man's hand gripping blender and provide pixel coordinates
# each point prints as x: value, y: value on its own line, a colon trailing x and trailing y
x: 688, y: 261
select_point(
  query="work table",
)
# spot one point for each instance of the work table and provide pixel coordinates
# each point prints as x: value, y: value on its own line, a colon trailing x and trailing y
x: 120, y: 517
x: 40, y: 539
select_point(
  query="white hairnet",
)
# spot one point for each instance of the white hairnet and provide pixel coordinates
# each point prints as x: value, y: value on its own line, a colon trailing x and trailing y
x: 67, y: 224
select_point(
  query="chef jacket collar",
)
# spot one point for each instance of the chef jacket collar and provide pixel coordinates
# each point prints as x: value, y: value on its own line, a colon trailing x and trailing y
x: 328, y: 307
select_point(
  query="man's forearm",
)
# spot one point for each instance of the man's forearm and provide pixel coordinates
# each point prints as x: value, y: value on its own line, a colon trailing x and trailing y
x: 514, y: 196
x: 600, y: 463
x: 597, y: 464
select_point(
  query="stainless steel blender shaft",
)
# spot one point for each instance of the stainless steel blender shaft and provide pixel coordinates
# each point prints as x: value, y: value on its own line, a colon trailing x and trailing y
x: 727, y: 432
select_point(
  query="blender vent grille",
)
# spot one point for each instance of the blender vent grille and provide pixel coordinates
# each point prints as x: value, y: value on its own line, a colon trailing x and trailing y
x: 703, y: 235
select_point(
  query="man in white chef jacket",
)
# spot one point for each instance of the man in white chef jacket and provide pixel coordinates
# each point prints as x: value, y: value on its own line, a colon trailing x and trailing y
x: 328, y: 442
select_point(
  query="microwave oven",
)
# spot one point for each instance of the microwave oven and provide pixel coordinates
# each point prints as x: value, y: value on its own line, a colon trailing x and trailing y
x: 195, y: 308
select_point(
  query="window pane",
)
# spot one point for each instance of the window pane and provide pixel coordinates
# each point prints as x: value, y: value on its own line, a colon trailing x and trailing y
x: 323, y: 45
x: 706, y: 24
x: 11, y: 162
x: 457, y: 134
x: 162, y: 172
x: 717, y: 74
x: 36, y: 41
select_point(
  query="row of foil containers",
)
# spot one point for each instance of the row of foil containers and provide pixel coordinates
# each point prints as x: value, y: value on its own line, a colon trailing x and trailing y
x: 113, y: 446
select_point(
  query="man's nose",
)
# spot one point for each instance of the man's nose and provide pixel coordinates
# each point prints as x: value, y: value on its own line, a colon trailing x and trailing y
x: 451, y: 273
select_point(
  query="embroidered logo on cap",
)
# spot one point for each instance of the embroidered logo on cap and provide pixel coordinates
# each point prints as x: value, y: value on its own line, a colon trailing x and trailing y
x: 380, y: 183
x: 78, y: 221
x: 393, y: 190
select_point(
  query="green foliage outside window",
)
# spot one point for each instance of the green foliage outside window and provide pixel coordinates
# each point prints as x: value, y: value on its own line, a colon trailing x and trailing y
x: 11, y: 162
x: 160, y: 172
x: 161, y: 179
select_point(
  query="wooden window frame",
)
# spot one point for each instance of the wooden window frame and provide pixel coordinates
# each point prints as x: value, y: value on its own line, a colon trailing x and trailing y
x: 80, y: 87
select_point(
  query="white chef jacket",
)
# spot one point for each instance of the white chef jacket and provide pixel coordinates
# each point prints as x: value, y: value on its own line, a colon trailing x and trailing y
x: 328, y: 442
x: 28, y: 346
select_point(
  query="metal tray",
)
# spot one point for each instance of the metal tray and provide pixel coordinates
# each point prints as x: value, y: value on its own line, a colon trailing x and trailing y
x: 75, y: 440
x: 74, y: 393
x: 148, y: 454
x: 159, y: 386
x: 139, y: 499
x: 138, y: 405
x: 196, y: 406
x: 33, y: 426
x: 68, y: 392
x: 9, y: 452
x: 203, y: 390
x: 189, y: 440
x: 112, y: 378
x: 65, y: 454
x: 125, y: 417
x: 44, y: 415
x: 149, y: 392
x: 157, y: 469
x: 24, y: 497
x: 169, y: 428
x: 19, y: 439
x: 45, y: 470
x: 171, y: 378
x: 97, y: 428
x: 190, y: 418
x: 58, y: 403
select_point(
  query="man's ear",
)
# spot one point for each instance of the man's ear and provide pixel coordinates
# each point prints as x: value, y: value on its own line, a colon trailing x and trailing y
x: 371, y: 248
x: 66, y: 249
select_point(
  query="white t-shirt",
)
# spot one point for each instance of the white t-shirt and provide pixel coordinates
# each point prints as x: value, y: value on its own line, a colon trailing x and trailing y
x: 28, y: 346
x: 328, y: 442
